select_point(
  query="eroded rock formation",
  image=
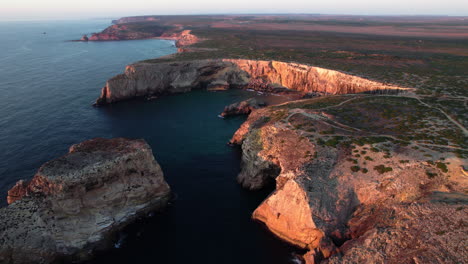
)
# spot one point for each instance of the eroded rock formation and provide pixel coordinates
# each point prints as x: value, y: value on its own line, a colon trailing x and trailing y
x: 243, y: 108
x: 146, y: 79
x: 320, y: 183
x: 75, y: 203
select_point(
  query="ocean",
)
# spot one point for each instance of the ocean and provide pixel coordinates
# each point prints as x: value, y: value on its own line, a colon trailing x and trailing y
x: 47, y: 87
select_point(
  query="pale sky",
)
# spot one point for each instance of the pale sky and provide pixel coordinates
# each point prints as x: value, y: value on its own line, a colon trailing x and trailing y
x: 63, y: 9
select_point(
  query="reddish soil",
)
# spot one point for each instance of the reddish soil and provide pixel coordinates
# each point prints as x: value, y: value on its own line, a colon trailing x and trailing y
x: 439, y: 31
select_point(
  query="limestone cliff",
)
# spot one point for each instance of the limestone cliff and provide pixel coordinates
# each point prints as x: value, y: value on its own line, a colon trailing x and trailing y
x: 146, y: 79
x: 75, y: 203
x: 325, y: 169
x: 305, y: 78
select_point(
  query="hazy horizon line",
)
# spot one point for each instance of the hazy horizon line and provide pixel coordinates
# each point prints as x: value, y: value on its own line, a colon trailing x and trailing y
x: 78, y: 17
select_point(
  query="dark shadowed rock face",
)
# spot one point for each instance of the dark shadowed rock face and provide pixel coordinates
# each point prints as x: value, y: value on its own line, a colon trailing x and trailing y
x: 74, y: 204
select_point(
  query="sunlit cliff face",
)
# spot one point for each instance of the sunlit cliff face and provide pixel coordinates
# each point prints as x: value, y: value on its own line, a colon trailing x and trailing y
x: 145, y: 79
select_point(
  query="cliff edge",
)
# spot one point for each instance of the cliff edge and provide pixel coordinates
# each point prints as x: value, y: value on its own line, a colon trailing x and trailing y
x: 352, y: 183
x: 149, y: 79
x: 74, y: 204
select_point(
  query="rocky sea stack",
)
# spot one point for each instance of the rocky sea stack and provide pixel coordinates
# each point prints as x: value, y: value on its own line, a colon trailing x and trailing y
x: 243, y: 108
x: 76, y: 203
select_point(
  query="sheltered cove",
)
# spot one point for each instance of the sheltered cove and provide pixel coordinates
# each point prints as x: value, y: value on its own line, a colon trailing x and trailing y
x: 343, y: 192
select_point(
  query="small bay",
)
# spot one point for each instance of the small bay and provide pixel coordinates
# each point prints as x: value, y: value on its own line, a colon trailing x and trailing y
x: 47, y: 86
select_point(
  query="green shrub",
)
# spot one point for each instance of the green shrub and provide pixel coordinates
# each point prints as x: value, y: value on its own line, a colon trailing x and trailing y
x: 442, y: 166
x: 382, y: 169
x: 430, y: 174
x: 328, y: 132
x: 374, y: 149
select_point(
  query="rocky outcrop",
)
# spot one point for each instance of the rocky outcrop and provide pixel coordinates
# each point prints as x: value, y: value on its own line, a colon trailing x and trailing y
x: 431, y: 232
x: 17, y: 192
x: 243, y: 108
x: 74, y: 204
x: 134, y: 30
x: 183, y: 38
x: 129, y: 32
x: 149, y: 79
x: 322, y: 176
x: 144, y: 79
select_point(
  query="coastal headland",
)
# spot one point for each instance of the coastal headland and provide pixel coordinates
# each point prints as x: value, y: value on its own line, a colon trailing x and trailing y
x: 370, y: 151
x: 368, y: 156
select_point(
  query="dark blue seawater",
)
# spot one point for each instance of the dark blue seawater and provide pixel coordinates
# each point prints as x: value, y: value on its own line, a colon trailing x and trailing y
x: 47, y: 86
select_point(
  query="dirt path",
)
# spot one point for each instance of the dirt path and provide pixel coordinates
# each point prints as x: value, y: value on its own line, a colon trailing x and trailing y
x: 455, y: 122
x: 465, y: 131
x: 335, y: 124
x: 353, y: 129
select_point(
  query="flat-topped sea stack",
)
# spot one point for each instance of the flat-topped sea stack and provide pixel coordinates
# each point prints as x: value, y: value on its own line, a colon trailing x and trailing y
x: 76, y: 203
x: 150, y: 79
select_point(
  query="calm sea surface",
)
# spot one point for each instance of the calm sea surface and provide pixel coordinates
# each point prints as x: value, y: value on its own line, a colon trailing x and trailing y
x: 47, y: 86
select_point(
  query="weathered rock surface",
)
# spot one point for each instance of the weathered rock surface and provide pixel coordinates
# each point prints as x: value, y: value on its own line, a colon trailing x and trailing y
x: 243, y: 108
x: 305, y: 78
x: 146, y: 79
x: 143, y: 79
x: 320, y: 183
x: 74, y: 204
x: 431, y: 232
